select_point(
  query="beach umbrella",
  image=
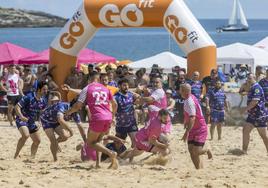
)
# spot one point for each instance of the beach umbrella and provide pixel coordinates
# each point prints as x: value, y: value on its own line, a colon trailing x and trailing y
x: 86, y: 56
x: 11, y: 53
x: 37, y: 59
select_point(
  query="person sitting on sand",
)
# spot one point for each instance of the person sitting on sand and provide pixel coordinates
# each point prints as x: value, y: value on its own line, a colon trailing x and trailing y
x: 148, y: 138
x: 196, y: 128
x: 53, y: 121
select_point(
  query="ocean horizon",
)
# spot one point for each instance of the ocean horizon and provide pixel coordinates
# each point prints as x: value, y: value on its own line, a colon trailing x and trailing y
x: 135, y: 43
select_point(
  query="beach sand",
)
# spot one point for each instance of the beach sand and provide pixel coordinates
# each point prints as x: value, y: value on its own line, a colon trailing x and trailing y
x: 227, y: 169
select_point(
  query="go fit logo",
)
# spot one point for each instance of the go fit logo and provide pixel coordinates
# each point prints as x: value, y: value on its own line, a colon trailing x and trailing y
x: 67, y: 40
x: 110, y: 15
x: 173, y: 25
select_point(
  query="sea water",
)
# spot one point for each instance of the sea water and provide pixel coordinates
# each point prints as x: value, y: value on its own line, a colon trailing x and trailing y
x: 133, y: 44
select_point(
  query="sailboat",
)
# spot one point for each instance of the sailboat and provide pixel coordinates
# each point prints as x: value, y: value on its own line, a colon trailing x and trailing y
x: 236, y: 24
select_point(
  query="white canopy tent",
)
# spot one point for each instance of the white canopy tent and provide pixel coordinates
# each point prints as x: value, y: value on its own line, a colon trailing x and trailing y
x: 263, y: 44
x: 165, y: 60
x: 239, y: 53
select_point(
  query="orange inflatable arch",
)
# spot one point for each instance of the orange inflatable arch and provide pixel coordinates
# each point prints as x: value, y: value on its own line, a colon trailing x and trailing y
x: 174, y: 15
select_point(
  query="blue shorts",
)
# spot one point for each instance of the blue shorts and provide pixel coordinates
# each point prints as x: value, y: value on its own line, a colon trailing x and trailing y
x: 217, y: 116
x: 122, y: 132
x: 49, y: 125
x: 258, y: 122
x: 32, y: 126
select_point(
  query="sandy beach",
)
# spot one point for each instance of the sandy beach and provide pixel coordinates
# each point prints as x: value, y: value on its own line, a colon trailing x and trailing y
x: 227, y: 169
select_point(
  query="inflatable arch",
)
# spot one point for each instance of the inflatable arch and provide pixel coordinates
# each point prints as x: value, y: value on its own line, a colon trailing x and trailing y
x: 174, y: 15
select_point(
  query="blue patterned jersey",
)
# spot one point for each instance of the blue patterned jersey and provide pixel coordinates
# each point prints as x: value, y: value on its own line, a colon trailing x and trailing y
x: 264, y: 84
x: 256, y: 93
x: 216, y: 99
x: 30, y: 106
x: 113, y: 83
x: 125, y: 115
x: 52, y: 113
x: 196, y: 88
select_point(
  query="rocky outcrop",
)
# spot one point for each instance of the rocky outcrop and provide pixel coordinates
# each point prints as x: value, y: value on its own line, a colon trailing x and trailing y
x: 24, y: 18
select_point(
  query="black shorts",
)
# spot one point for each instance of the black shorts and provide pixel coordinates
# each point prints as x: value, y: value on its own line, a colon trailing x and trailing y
x: 122, y: 132
x: 196, y: 143
x: 13, y: 100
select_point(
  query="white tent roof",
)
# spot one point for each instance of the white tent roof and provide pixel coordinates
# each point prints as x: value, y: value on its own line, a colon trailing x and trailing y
x: 239, y: 53
x: 262, y: 44
x: 165, y: 60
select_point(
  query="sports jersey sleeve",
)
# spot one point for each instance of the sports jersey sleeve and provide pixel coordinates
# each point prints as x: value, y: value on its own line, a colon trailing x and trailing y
x: 158, y: 94
x: 189, y: 107
x: 83, y: 95
x: 61, y: 109
x: 24, y: 101
x: 256, y: 93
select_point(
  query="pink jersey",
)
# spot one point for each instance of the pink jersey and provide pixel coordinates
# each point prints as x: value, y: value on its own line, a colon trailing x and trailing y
x: 12, y: 83
x: 160, y: 102
x: 98, y: 101
x: 153, y: 129
x: 192, y: 108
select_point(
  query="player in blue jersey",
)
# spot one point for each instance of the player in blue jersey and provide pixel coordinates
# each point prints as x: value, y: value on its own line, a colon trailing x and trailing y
x: 216, y: 105
x: 126, y: 124
x: 257, y: 113
x: 53, y: 121
x: 27, y: 111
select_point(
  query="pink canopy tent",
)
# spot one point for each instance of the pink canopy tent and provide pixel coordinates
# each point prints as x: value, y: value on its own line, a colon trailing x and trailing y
x: 11, y: 53
x: 85, y: 56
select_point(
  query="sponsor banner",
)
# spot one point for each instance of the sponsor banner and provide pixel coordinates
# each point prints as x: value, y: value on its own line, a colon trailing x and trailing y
x: 126, y: 13
x: 75, y: 35
x: 184, y: 28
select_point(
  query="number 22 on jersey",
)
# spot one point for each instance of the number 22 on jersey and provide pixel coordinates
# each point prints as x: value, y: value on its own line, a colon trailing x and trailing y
x: 100, y: 97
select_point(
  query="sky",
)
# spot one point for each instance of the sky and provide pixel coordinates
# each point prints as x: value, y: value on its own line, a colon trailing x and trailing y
x: 254, y: 9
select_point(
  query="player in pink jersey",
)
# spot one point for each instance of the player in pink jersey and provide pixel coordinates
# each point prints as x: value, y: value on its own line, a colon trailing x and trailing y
x: 196, y: 127
x: 98, y: 98
x: 157, y: 101
x: 148, y: 138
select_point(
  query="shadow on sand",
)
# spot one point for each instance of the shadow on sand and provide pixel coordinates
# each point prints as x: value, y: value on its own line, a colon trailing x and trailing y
x: 237, y: 152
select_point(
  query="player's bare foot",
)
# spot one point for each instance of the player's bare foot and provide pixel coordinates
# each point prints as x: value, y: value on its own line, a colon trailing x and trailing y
x: 209, y: 154
x: 97, y: 166
x: 114, y: 162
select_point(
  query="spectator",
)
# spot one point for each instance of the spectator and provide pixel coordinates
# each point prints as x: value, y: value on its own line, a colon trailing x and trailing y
x: 241, y: 75
x: 259, y: 73
x: 13, y: 88
x: 28, y: 80
x: 111, y: 82
x: 196, y: 85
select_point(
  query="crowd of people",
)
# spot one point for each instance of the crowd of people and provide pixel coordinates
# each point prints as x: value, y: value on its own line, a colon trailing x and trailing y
x: 124, y: 99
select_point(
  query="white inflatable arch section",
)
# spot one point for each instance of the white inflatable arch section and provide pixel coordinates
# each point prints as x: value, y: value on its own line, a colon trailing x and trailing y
x: 174, y: 15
